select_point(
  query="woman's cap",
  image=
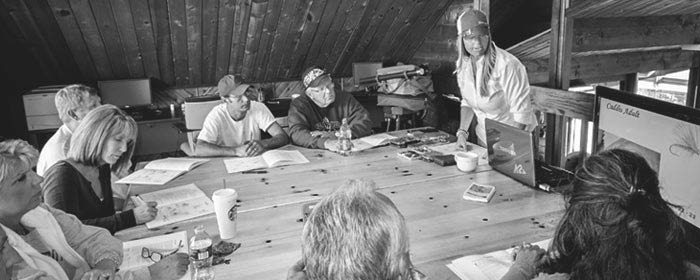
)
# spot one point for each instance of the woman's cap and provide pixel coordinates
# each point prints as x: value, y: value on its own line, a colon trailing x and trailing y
x: 313, y: 76
x: 472, y: 23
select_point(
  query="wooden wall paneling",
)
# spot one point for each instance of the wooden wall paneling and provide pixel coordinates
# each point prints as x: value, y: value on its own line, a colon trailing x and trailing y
x: 193, y: 11
x: 298, y: 24
x: 304, y: 41
x: 161, y: 30
x: 357, y: 49
x: 274, y: 9
x: 143, y: 26
x: 384, y: 44
x: 583, y: 67
x: 327, y: 17
x: 179, y: 40
x: 631, y: 8
x: 227, y: 9
x: 210, y: 26
x: 240, y: 30
x: 107, y: 26
x: 74, y: 39
x: 19, y: 13
x: 577, y: 105
x: 354, y: 27
x: 425, y: 23
x: 51, y: 32
x: 333, y: 32
x: 277, y: 53
x: 88, y: 27
x: 592, y: 34
x: 252, y: 45
x: 127, y: 33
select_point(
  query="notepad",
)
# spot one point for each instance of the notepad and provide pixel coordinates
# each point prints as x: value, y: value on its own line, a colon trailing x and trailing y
x: 269, y: 159
x: 159, y: 172
x: 491, y: 266
x: 178, y: 204
x: 163, y: 244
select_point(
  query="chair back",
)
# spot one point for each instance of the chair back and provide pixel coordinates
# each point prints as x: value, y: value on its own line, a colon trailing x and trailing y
x: 196, y: 110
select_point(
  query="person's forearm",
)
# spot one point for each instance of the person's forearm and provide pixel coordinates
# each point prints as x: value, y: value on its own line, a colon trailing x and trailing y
x: 204, y: 149
x: 466, y: 115
x: 275, y: 141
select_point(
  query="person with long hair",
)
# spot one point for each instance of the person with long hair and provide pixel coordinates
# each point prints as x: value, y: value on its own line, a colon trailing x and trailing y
x: 616, y: 226
x: 355, y: 233
x: 493, y: 83
x: 80, y: 185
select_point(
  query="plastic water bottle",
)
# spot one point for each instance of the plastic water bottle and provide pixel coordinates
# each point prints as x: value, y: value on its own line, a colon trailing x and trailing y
x: 201, y: 254
x: 344, y: 136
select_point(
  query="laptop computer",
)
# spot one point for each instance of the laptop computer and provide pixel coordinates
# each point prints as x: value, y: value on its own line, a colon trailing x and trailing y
x: 512, y: 151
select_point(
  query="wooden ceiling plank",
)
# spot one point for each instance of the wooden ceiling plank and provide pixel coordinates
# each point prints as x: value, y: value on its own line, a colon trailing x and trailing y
x: 358, y: 48
x: 292, y: 39
x: 51, y: 32
x: 252, y: 45
x: 164, y: 48
x: 391, y: 45
x: 313, y: 18
x: 240, y: 30
x: 355, y: 25
x: 93, y: 39
x: 127, y: 33
x: 631, y: 62
x: 102, y: 10
x: 631, y: 8
x: 631, y: 32
x: 333, y: 32
x: 210, y: 23
x: 424, y: 25
x: 143, y: 26
x: 377, y: 50
x: 179, y: 41
x: 193, y: 11
x: 274, y: 9
x: 74, y: 39
x: 327, y: 17
x: 227, y: 9
x: 276, y: 51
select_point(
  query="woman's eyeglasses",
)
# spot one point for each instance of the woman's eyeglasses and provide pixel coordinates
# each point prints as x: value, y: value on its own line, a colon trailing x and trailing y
x: 156, y: 256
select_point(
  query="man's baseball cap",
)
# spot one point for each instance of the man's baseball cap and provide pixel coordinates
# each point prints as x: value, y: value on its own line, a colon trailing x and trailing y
x: 313, y: 76
x: 228, y: 87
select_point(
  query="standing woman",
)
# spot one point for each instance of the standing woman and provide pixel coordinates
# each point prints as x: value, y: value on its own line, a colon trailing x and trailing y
x: 493, y: 83
x: 80, y: 185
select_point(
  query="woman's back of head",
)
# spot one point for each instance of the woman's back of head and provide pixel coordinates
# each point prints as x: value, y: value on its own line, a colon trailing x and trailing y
x: 356, y: 233
x: 616, y: 225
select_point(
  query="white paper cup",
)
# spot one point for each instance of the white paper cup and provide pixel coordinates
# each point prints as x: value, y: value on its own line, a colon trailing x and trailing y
x: 466, y: 161
x: 226, y: 212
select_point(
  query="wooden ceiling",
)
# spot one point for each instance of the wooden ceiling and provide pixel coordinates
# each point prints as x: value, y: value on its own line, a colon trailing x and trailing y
x: 631, y: 8
x: 195, y: 42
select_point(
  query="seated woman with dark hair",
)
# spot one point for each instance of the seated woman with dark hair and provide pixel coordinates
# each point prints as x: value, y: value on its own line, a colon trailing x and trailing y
x: 616, y: 226
x: 355, y: 233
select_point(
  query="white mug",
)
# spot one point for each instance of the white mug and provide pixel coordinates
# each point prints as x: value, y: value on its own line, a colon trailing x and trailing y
x: 466, y: 161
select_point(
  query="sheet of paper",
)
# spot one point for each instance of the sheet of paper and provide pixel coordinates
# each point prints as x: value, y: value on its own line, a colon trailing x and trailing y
x: 162, y: 243
x: 234, y: 165
x: 150, y: 177
x: 488, y: 266
x: 276, y: 158
x: 183, y: 164
x: 173, y: 195
x: 181, y: 211
x: 377, y: 139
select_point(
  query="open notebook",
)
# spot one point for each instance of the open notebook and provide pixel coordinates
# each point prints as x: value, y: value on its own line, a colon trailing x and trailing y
x: 178, y: 204
x: 269, y: 159
x: 491, y: 266
x: 371, y: 141
x: 163, y: 244
x: 159, y: 172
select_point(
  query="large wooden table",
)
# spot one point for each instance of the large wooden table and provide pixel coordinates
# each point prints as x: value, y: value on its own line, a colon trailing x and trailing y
x: 442, y: 226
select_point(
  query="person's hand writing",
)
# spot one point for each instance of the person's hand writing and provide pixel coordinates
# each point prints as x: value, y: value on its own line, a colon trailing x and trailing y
x: 254, y: 148
x: 171, y: 267
x: 145, y: 212
x: 296, y: 272
x: 103, y: 270
x: 529, y: 258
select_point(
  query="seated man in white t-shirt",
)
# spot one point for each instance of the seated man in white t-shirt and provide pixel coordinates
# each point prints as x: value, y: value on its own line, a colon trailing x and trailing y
x: 233, y: 128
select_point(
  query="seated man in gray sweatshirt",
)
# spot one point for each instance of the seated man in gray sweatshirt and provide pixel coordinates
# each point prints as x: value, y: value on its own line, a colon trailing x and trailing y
x: 316, y: 115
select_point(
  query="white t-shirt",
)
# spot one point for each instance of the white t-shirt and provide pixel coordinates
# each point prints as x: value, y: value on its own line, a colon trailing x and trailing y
x: 220, y: 129
x: 54, y: 150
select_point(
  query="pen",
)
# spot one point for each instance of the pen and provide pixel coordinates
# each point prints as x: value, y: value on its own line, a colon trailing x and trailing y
x: 138, y: 201
x: 254, y: 172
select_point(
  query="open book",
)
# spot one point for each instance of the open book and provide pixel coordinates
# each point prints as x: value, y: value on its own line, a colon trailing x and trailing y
x: 269, y: 159
x: 164, y: 244
x: 491, y: 266
x: 178, y: 204
x: 161, y: 171
x: 371, y: 141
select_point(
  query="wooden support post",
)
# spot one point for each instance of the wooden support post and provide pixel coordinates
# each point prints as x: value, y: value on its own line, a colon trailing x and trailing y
x: 559, y: 76
x: 482, y: 5
x: 629, y: 84
x: 693, y: 95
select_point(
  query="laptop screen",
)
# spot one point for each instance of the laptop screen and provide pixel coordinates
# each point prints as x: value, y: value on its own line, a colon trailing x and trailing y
x: 511, y: 151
